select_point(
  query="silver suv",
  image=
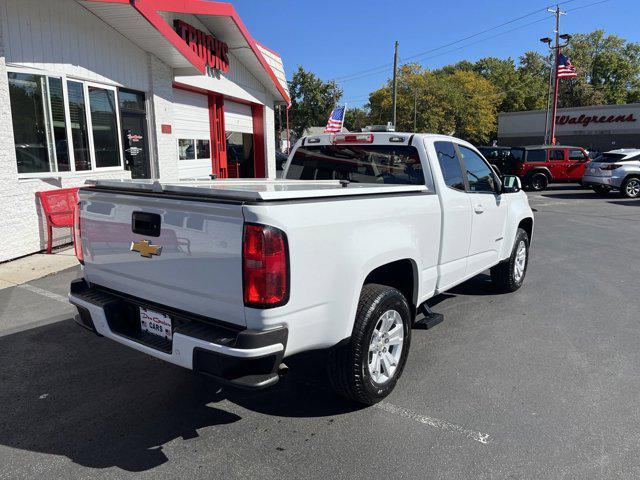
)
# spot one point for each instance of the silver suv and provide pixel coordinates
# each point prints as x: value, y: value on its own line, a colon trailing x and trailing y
x: 617, y: 169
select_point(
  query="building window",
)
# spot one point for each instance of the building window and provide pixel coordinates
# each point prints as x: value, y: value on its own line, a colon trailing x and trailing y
x: 79, y: 131
x: 31, y: 123
x: 194, y: 149
x: 52, y: 118
x: 203, y: 149
x: 59, y: 124
x: 186, y: 151
x: 104, y: 126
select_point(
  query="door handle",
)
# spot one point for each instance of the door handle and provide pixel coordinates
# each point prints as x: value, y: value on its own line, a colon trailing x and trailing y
x: 478, y: 208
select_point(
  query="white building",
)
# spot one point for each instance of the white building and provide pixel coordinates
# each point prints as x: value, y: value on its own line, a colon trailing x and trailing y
x: 127, y: 88
x: 597, y: 127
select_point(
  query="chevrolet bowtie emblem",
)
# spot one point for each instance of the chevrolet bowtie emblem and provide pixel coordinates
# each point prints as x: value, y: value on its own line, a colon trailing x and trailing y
x: 145, y: 249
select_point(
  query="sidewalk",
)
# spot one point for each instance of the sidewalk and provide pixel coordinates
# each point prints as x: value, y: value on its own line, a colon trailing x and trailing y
x: 38, y: 265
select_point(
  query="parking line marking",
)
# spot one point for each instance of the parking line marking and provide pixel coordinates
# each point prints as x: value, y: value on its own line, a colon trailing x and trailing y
x: 46, y: 293
x: 434, y: 422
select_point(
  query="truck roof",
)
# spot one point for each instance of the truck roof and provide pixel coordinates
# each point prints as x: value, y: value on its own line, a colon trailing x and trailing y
x: 256, y: 190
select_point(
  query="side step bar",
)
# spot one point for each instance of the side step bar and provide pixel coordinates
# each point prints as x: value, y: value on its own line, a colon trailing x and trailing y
x: 431, y: 318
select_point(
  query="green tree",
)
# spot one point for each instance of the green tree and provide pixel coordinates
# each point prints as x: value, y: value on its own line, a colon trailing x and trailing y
x: 356, y: 118
x: 451, y: 101
x: 608, y: 70
x: 311, y: 101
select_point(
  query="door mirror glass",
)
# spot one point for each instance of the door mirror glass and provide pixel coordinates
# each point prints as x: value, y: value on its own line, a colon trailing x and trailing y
x: 511, y: 184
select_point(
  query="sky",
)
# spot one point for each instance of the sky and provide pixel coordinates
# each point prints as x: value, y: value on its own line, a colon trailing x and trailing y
x: 340, y: 39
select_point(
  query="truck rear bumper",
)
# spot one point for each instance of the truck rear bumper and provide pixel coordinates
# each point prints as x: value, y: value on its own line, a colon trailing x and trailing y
x: 244, y: 358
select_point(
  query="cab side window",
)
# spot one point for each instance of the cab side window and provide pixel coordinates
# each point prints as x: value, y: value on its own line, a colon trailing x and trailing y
x: 556, y: 155
x: 479, y: 174
x: 450, y: 165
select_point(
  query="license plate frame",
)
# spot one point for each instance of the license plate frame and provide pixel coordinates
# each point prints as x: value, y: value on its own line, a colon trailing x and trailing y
x: 156, y: 323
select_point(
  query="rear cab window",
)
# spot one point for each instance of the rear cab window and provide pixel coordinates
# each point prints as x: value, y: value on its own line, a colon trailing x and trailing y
x: 388, y: 164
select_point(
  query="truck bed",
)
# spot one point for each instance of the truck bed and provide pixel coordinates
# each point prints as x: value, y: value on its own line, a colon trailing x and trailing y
x: 257, y: 190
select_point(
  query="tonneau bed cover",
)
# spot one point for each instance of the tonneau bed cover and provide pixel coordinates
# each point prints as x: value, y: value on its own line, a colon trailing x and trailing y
x: 257, y: 190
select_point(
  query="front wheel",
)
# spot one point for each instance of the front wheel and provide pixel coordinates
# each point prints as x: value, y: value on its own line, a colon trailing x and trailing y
x: 631, y: 187
x: 367, y: 368
x: 508, y: 275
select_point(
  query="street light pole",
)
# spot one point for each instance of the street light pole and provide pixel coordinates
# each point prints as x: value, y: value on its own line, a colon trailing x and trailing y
x: 395, y: 83
x: 550, y: 136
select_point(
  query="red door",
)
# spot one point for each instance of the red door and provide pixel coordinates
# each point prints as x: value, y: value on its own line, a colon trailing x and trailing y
x: 218, y: 138
x: 557, y: 163
x: 576, y: 163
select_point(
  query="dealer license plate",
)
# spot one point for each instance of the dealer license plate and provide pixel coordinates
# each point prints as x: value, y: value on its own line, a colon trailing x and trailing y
x: 155, y: 323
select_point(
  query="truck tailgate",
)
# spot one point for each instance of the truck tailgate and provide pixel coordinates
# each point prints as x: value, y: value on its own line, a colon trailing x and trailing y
x: 199, y: 266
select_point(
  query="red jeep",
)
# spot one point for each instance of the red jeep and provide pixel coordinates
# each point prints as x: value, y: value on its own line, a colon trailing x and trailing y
x: 539, y: 165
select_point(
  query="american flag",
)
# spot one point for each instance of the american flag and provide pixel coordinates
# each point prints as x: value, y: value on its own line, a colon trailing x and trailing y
x: 565, y: 69
x: 335, y: 120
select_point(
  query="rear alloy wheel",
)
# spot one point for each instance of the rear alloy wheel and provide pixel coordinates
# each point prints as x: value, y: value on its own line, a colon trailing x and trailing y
x: 538, y: 182
x: 601, y: 189
x: 367, y: 368
x: 631, y: 187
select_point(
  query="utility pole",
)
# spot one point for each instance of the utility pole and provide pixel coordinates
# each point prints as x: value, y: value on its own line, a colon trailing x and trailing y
x: 550, y: 136
x: 415, y: 109
x: 395, y: 83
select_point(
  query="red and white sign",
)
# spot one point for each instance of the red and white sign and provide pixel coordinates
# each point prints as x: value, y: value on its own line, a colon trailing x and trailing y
x: 207, y: 47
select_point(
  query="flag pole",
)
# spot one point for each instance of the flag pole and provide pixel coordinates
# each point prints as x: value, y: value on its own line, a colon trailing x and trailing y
x: 344, y: 116
x: 555, y: 86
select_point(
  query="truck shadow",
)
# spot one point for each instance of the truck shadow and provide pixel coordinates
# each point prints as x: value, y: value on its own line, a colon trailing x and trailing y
x: 68, y: 392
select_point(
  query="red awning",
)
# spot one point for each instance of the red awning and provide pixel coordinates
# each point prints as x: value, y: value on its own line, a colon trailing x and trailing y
x: 143, y: 22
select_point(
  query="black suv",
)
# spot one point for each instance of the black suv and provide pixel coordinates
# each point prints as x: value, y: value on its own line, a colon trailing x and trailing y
x: 500, y: 158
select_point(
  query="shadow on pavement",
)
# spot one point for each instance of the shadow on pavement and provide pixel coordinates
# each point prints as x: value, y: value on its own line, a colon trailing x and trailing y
x: 629, y: 202
x: 576, y: 195
x: 68, y: 392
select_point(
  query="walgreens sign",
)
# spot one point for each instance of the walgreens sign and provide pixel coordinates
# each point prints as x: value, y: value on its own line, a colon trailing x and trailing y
x: 213, y: 51
x: 586, y: 120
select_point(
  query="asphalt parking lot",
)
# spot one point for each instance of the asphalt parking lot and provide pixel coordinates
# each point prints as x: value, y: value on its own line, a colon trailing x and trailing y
x: 541, y: 383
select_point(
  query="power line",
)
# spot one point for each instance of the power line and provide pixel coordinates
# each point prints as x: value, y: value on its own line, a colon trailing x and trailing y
x: 343, y: 77
x: 483, y: 39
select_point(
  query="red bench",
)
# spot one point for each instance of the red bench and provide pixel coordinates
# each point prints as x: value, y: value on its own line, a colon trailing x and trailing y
x: 58, y: 206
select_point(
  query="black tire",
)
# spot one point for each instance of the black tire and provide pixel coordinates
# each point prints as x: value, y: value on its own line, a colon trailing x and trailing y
x: 538, y: 182
x: 630, y: 188
x: 601, y: 189
x: 503, y: 275
x: 348, y: 363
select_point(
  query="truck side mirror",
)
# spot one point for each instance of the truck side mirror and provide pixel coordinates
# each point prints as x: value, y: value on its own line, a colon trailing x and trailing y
x: 511, y: 184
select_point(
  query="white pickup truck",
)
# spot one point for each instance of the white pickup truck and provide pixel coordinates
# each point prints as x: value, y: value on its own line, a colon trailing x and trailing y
x: 229, y: 277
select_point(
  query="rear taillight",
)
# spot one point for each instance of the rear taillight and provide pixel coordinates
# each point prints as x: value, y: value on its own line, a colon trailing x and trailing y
x: 265, y: 266
x: 77, y: 234
x: 610, y: 166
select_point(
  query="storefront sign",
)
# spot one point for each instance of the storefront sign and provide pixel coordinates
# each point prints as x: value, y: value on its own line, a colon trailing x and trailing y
x: 208, y: 48
x: 585, y: 120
